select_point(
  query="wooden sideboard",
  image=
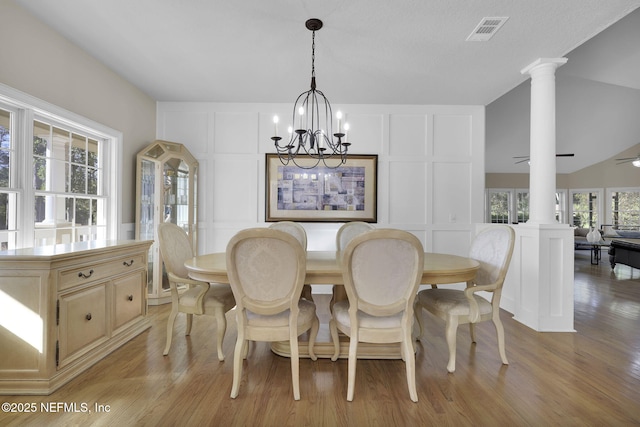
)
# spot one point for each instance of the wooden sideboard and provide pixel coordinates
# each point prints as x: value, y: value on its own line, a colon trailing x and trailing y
x: 65, y: 307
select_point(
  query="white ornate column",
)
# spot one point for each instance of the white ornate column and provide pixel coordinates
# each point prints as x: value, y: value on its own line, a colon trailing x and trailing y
x: 542, y: 172
x: 539, y: 285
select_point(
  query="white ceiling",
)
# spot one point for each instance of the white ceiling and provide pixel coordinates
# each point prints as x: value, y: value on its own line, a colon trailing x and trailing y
x: 368, y: 52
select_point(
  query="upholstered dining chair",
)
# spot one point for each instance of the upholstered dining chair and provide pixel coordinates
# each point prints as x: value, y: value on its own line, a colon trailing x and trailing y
x: 297, y: 231
x: 294, y: 229
x: 266, y: 270
x: 493, y: 248
x: 382, y: 270
x: 345, y: 234
x: 348, y: 231
x: 200, y: 297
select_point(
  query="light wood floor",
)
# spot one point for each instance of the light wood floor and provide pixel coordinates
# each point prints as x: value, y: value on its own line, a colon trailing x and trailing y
x: 590, y: 377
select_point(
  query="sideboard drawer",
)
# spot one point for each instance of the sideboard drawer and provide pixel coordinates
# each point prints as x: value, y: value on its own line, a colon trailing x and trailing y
x: 83, y: 322
x: 129, y: 299
x: 99, y: 270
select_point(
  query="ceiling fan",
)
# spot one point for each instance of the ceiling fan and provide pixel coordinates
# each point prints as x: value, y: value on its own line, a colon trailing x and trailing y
x: 634, y: 160
x: 526, y: 158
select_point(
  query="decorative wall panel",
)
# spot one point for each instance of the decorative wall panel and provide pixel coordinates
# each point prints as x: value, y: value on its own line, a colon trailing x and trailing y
x: 366, y: 133
x: 407, y: 135
x: 407, y: 185
x: 451, y: 201
x: 233, y: 190
x: 452, y: 135
x: 235, y: 133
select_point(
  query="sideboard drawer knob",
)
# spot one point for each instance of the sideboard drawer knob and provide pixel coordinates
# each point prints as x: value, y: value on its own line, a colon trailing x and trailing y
x: 88, y: 316
x: 130, y: 297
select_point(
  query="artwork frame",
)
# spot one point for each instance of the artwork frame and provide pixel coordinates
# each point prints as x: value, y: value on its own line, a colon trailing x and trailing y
x: 343, y: 194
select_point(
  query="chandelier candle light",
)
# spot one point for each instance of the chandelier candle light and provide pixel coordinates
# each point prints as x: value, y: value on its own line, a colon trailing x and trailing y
x: 311, y: 139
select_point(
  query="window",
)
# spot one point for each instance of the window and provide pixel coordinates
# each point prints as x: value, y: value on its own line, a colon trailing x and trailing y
x: 585, y: 208
x: 507, y: 205
x: 59, y: 174
x: 625, y: 209
x: 499, y: 202
x: 69, y: 202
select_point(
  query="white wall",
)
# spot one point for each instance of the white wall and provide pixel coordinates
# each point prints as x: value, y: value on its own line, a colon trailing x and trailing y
x: 430, y: 167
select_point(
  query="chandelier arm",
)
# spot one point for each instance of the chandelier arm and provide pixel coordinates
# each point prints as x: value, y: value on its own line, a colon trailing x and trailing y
x: 305, y: 100
x: 317, y: 162
x: 328, y: 113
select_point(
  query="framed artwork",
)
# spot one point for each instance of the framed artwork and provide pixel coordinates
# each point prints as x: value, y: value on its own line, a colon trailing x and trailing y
x: 346, y: 193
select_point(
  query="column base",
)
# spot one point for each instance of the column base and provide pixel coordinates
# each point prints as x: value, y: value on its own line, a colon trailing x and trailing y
x: 541, y: 277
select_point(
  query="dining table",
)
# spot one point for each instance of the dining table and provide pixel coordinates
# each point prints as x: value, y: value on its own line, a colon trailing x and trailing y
x: 324, y: 268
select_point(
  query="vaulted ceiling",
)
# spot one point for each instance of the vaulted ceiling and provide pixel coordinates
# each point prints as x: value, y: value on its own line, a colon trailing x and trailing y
x: 368, y: 52
x: 597, y: 105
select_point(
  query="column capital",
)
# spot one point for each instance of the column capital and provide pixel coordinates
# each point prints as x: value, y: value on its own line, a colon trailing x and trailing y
x: 540, y: 62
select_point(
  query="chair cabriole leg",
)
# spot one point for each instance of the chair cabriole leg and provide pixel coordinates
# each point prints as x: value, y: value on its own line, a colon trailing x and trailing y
x: 170, y: 322
x: 451, y: 330
x: 221, y: 321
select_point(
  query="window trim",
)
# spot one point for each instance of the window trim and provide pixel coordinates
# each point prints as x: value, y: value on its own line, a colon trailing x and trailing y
x: 564, y: 205
x: 32, y: 108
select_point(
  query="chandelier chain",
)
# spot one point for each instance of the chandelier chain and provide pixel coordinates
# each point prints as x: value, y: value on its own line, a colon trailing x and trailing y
x: 313, y: 54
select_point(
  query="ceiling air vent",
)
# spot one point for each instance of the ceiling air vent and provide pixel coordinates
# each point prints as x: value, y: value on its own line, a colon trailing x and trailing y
x: 486, y: 29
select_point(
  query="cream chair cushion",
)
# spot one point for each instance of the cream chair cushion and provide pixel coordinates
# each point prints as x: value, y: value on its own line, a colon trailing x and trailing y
x: 307, y: 311
x: 454, y: 302
x: 341, y: 315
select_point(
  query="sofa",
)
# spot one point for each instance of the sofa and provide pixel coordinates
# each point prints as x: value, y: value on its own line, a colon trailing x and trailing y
x: 625, y: 251
x: 624, y: 247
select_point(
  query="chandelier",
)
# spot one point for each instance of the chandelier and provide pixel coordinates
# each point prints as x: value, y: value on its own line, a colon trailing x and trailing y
x: 314, y: 137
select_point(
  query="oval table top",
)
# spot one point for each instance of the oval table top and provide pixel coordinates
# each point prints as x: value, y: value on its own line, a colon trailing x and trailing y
x: 324, y: 268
